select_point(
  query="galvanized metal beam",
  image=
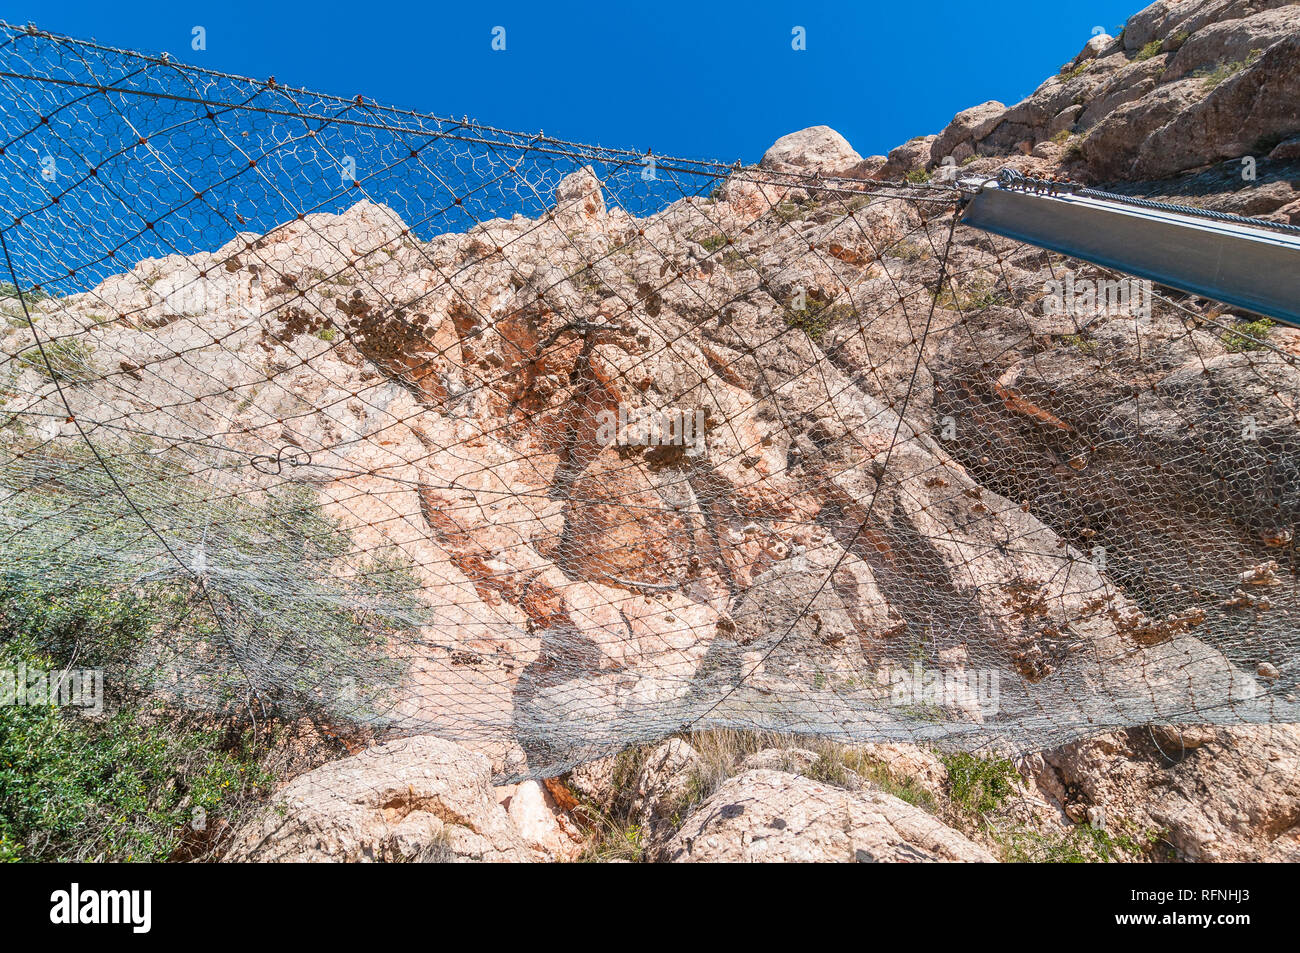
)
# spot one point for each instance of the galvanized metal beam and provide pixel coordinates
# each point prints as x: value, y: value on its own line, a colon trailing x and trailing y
x: 1246, y: 266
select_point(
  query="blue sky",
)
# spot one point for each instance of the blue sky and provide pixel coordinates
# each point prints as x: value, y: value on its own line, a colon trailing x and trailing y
x: 717, y: 80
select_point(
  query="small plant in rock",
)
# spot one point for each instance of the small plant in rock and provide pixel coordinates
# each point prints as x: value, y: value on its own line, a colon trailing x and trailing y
x: 1149, y: 51
x: 817, y: 317
x: 1073, y: 72
x: 978, y: 786
x: 1082, y: 844
x: 711, y: 243
x: 909, y: 251
x: 1247, y: 335
x: 1212, y: 78
x: 618, y: 842
x: 65, y: 359
x: 972, y: 297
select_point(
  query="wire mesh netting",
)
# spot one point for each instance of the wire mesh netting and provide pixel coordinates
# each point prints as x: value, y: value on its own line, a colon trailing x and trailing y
x: 394, y: 420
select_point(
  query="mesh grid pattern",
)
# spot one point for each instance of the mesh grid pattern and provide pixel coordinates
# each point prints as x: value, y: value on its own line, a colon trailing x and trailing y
x: 437, y: 428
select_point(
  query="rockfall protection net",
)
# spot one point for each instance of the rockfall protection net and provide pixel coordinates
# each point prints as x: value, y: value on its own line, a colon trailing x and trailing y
x: 349, y: 412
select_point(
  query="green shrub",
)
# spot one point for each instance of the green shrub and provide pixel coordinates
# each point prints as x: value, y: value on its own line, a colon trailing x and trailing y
x: 975, y: 296
x: 977, y: 785
x: 1210, y: 78
x: 8, y: 290
x: 834, y: 763
x: 1068, y: 73
x: 68, y: 360
x: 909, y: 251
x: 1247, y: 335
x: 117, y: 788
x: 618, y: 843
x: 1082, y: 844
x: 1149, y: 51
x: 817, y: 317
x: 789, y: 211
x: 711, y: 243
x: 284, y: 618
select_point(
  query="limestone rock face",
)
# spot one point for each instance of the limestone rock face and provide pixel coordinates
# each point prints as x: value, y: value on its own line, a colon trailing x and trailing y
x: 418, y: 798
x: 770, y: 816
x: 1188, y: 84
x: 815, y: 149
x: 1214, y: 794
x: 579, y: 199
x: 911, y: 156
x: 967, y: 128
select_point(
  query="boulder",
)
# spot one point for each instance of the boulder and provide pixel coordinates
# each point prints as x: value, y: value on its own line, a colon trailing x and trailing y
x: 418, y: 798
x: 815, y: 149
x: 540, y: 820
x: 764, y: 815
x: 1288, y: 150
x: 967, y: 128
x: 1095, y: 47
x: 1212, y: 793
x: 911, y: 156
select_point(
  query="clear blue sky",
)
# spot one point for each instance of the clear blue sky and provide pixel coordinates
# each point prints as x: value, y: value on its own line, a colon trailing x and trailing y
x: 706, y: 79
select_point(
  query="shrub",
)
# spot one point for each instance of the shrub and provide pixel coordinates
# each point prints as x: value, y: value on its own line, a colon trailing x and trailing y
x: 977, y: 785
x: 834, y: 764
x: 1083, y: 844
x: 977, y: 295
x: 817, y: 317
x: 1068, y: 73
x: 1210, y: 78
x: 8, y: 290
x: 117, y: 788
x: 1247, y: 335
x: 282, y: 617
x: 68, y: 360
x: 909, y: 251
x: 711, y: 243
x: 1149, y: 51
x: 788, y: 210
x: 618, y: 843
